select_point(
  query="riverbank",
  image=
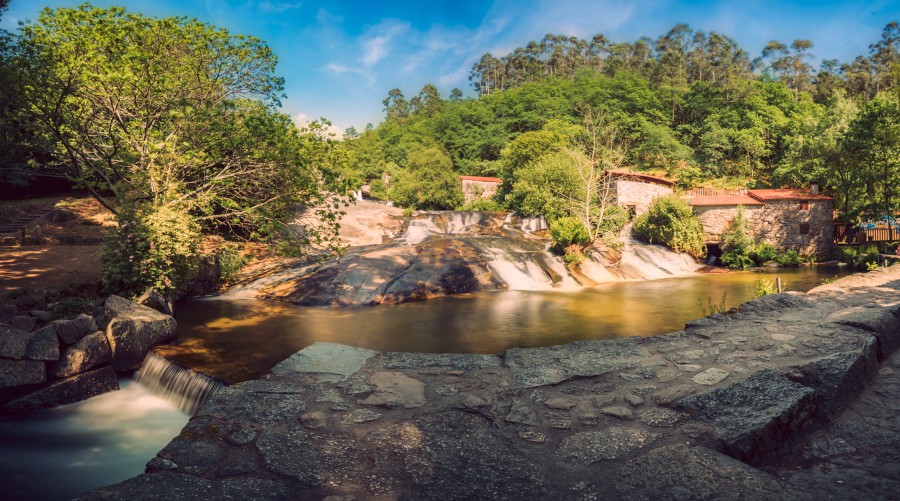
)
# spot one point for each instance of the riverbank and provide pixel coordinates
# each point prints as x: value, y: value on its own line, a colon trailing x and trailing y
x: 680, y: 415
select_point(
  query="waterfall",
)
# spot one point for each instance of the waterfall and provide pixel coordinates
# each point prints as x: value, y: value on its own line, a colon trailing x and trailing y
x: 525, y: 224
x: 186, y: 388
x: 447, y: 223
x: 523, y: 265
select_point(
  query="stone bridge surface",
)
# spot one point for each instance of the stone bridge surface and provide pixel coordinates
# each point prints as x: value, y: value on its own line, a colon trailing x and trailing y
x: 794, y: 396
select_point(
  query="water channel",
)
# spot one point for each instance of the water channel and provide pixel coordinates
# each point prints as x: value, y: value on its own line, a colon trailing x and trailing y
x: 63, y: 452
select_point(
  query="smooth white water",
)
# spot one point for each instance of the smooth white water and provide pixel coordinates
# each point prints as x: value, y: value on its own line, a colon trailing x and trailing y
x: 185, y: 388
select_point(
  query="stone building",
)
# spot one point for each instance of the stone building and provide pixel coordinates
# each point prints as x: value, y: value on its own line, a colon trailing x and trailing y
x: 635, y: 191
x: 800, y: 220
x: 479, y: 188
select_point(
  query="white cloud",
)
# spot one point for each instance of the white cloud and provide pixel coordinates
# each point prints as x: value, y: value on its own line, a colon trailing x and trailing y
x: 278, y: 7
x: 374, y: 50
x: 302, y: 121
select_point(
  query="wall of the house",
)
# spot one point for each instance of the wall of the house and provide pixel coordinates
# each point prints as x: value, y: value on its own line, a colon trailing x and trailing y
x: 777, y: 222
x: 638, y: 194
x: 475, y: 190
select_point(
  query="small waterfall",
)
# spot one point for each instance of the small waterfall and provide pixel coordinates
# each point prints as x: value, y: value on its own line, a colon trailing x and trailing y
x: 447, y: 223
x: 186, y: 388
x: 523, y: 264
x: 525, y: 224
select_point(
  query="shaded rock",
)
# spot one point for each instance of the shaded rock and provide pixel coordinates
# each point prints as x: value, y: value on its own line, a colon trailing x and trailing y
x: 455, y: 360
x: 695, y: 473
x: 43, y: 316
x: 757, y: 415
x: 471, y: 402
x: 66, y: 391
x: 613, y: 443
x: 314, y: 420
x: 661, y: 418
x: 523, y: 414
x: 70, y: 331
x: 89, y: 352
x: 132, y: 329
x: 43, y: 345
x: 57, y: 215
x: 160, y: 464
x: 776, y: 302
x: 533, y: 367
x: 838, y: 379
x: 329, y: 362
x: 242, y: 489
x: 395, y: 390
x: 634, y: 400
x: 361, y: 416
x: 241, y: 436
x: 24, y: 322
x: 880, y: 321
x: 710, y: 377
x: 292, y: 453
x: 13, y: 342
x: 155, y: 299
x: 782, y: 337
x: 258, y: 402
x: 668, y: 396
x: 560, y: 403
x: 160, y: 486
x: 7, y: 312
x: 195, y: 456
x: 620, y: 412
x: 21, y: 372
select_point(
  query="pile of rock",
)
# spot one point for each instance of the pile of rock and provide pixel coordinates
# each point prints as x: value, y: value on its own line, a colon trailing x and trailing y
x: 64, y: 361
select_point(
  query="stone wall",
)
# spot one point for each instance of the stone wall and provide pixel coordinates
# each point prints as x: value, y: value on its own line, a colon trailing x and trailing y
x: 639, y: 195
x: 777, y: 222
x: 478, y: 190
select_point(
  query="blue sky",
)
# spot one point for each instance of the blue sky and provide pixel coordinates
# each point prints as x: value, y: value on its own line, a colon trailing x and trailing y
x: 340, y: 58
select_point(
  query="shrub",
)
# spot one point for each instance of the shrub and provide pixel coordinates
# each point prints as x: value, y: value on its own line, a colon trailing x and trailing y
x: 70, y: 307
x: 736, y: 259
x: 483, y: 205
x: 567, y: 231
x: 762, y: 253
x: 790, y: 258
x: 764, y: 287
x: 670, y: 222
x: 152, y: 248
x: 737, y: 243
x: 428, y: 182
x: 229, y: 262
x: 574, y: 255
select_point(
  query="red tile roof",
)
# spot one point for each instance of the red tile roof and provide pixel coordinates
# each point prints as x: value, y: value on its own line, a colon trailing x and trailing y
x: 642, y: 177
x: 724, y: 200
x: 482, y: 179
x: 786, y: 194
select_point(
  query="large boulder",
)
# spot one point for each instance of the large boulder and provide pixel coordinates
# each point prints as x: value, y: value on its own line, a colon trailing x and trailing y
x: 21, y: 372
x: 70, y: 331
x: 89, y: 352
x: 66, y: 391
x: 43, y: 345
x: 132, y: 329
x: 13, y: 342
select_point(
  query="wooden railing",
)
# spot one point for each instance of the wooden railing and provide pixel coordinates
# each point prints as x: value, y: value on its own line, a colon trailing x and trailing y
x: 861, y: 236
x: 709, y: 192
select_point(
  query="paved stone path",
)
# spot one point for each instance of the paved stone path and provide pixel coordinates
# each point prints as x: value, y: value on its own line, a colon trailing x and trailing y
x: 729, y: 408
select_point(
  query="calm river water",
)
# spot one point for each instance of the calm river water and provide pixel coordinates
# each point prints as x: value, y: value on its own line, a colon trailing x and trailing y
x: 63, y: 452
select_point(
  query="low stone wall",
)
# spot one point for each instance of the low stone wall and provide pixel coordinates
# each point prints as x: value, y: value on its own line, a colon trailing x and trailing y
x: 478, y: 190
x: 64, y: 361
x: 638, y: 194
x: 681, y: 415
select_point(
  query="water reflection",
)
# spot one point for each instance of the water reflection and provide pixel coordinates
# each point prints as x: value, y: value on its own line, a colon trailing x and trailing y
x: 236, y: 340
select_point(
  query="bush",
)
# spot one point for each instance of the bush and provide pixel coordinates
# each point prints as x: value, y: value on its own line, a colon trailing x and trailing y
x: 70, y: 307
x: 670, y: 222
x: 790, y: 258
x: 428, y: 182
x: 574, y: 255
x: 762, y: 253
x: 229, y: 262
x: 483, y: 205
x: 152, y: 248
x: 737, y: 259
x: 860, y: 258
x: 737, y: 243
x: 764, y: 287
x: 567, y: 231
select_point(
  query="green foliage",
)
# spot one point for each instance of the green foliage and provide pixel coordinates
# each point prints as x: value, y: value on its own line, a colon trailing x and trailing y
x: 872, y: 266
x: 483, y: 205
x: 789, y: 258
x: 157, y: 249
x: 574, y: 255
x: 712, y: 308
x: 737, y: 243
x: 762, y: 253
x: 229, y: 261
x: 860, y: 258
x: 70, y: 307
x: 568, y: 231
x: 763, y: 287
x: 428, y: 182
x: 669, y: 221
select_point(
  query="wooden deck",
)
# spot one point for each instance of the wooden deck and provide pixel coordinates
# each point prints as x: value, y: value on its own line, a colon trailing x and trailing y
x: 864, y: 236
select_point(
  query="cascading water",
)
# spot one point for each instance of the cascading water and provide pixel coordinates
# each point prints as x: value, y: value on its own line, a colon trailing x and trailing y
x: 446, y: 223
x: 186, y: 388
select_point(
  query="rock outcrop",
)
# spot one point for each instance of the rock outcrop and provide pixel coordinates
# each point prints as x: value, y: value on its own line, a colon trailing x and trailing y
x: 682, y: 415
x: 132, y: 329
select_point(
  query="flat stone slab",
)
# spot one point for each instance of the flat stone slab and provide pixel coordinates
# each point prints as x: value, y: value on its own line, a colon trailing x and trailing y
x: 329, y: 362
x: 613, y: 443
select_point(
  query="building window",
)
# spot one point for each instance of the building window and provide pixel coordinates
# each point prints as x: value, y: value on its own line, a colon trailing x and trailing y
x: 804, y: 205
x: 804, y: 228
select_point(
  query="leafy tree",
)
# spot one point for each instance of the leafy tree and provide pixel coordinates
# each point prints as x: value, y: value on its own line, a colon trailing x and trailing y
x: 427, y: 183
x: 872, y: 146
x: 737, y: 243
x: 670, y: 221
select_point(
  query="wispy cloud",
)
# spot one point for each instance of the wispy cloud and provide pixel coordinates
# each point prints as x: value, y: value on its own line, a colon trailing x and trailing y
x: 276, y: 7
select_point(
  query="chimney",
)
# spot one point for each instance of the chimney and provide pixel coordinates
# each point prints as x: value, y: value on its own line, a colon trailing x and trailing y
x: 814, y: 188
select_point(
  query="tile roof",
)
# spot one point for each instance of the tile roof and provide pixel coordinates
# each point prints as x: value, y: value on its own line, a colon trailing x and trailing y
x: 482, y: 179
x: 724, y: 200
x: 786, y: 194
x: 642, y: 177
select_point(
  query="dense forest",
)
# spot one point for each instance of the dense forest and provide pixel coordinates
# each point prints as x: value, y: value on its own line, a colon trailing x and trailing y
x: 691, y: 105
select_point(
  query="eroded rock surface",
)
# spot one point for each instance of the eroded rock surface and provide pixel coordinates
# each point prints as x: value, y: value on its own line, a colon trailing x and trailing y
x: 678, y: 416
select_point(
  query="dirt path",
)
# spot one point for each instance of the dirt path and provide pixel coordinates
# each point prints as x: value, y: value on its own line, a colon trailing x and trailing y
x: 47, y: 268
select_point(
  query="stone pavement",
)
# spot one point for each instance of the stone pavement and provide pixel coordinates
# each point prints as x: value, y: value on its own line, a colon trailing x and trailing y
x: 747, y: 405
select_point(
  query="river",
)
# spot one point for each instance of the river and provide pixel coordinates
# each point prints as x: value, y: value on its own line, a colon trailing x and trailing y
x: 60, y: 453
